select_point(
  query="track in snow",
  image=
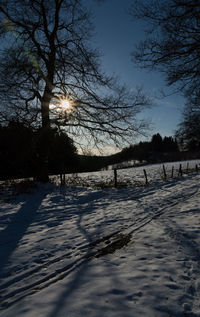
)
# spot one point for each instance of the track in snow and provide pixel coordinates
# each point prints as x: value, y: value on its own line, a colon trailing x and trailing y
x: 56, y: 267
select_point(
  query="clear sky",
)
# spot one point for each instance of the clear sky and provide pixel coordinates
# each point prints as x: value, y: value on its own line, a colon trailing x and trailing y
x: 116, y: 36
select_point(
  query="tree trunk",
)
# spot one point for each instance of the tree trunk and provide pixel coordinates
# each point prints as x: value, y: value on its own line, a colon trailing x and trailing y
x: 44, y: 140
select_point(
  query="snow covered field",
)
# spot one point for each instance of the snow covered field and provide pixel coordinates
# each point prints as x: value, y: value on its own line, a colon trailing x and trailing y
x: 75, y: 251
x: 134, y: 175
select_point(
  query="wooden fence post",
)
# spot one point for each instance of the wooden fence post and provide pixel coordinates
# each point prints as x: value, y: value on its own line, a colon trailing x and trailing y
x: 172, y: 174
x: 62, y: 179
x: 187, y: 169
x: 115, y: 177
x: 164, y: 172
x: 196, y: 168
x: 180, y: 172
x: 146, y: 179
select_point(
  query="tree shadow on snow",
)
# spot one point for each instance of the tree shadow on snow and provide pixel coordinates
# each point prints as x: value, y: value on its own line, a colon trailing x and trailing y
x: 15, y: 230
x: 85, y: 205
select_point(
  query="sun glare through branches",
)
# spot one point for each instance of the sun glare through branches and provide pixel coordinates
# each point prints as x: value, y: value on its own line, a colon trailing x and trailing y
x: 65, y: 105
x: 62, y: 106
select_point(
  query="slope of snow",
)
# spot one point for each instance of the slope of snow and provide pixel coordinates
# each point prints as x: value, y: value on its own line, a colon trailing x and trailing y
x: 116, y: 252
x: 134, y: 175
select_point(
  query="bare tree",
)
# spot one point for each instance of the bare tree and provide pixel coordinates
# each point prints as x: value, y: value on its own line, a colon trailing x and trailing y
x: 188, y: 132
x: 172, y: 44
x: 46, y: 59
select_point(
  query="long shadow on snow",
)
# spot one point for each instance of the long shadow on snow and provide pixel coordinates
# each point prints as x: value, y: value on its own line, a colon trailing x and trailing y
x: 191, y: 252
x: 83, y: 204
x: 10, y: 237
x: 184, y: 239
x: 86, y: 204
x: 90, y: 201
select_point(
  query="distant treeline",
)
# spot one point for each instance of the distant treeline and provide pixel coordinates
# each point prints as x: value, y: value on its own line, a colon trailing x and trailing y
x: 157, y: 150
x: 21, y: 148
x: 153, y: 150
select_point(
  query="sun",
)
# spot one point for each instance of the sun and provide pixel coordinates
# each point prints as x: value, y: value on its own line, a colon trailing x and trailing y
x: 65, y: 104
x: 62, y: 106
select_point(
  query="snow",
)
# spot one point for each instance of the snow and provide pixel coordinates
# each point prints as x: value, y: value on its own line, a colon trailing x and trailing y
x: 75, y: 251
x: 133, y: 176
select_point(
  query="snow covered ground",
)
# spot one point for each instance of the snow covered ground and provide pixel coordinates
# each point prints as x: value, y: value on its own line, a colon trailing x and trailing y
x: 134, y: 175
x: 75, y: 251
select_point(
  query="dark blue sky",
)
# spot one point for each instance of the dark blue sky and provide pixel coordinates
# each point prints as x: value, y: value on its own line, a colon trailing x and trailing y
x: 116, y: 36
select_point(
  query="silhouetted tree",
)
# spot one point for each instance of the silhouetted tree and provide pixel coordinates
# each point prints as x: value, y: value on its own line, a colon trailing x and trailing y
x: 20, y: 148
x: 16, y: 152
x: 63, y: 156
x: 156, y: 142
x: 172, y: 44
x: 169, y: 145
x: 188, y: 133
x: 46, y: 57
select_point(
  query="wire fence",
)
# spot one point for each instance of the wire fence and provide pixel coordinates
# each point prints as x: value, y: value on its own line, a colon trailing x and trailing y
x: 135, y: 176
